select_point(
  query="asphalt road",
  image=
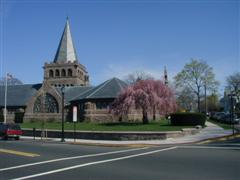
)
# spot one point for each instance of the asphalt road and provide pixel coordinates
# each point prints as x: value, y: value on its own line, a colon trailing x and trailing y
x: 27, y: 159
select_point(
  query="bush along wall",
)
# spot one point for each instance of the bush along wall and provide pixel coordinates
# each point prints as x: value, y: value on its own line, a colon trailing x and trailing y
x: 188, y: 119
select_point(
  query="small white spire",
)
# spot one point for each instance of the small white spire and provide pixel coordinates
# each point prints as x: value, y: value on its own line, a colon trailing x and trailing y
x: 165, y: 76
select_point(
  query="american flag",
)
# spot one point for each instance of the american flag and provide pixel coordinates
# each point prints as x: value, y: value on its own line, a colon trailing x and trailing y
x: 9, y: 76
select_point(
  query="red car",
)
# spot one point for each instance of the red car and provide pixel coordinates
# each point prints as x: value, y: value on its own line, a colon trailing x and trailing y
x: 10, y: 130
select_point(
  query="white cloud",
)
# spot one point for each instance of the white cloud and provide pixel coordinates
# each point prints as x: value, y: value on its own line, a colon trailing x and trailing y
x: 121, y: 70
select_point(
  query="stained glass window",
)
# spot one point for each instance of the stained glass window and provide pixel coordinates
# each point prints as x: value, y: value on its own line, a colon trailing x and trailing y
x: 49, y: 105
x: 37, y: 105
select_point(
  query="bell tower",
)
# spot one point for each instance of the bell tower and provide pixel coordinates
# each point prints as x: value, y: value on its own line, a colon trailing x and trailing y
x: 65, y: 70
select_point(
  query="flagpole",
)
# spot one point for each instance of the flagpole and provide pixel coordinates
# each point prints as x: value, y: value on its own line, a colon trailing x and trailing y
x: 5, y: 105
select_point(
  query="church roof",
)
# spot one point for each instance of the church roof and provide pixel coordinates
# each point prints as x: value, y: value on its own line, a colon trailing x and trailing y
x: 74, y: 91
x: 18, y: 95
x: 108, y: 89
x: 66, y: 51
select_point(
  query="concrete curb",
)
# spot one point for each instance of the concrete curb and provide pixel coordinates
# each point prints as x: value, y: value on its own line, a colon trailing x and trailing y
x: 219, y: 139
x: 114, y: 135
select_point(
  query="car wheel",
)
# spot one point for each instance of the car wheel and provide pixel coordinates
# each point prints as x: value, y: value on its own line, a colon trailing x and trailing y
x: 17, y: 138
x: 5, y: 137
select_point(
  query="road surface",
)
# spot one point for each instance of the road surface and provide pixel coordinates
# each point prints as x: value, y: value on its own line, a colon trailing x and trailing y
x: 29, y: 159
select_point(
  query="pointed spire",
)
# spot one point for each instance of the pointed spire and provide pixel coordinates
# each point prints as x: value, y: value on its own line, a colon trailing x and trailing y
x: 66, y: 51
x: 165, y: 76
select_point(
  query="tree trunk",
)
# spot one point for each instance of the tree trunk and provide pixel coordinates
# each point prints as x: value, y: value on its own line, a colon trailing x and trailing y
x: 198, y: 102
x: 145, y: 117
x: 198, y: 99
x: 154, y: 113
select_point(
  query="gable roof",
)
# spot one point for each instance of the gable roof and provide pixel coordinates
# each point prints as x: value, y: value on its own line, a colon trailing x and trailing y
x: 74, y: 91
x: 109, y: 89
x: 18, y: 95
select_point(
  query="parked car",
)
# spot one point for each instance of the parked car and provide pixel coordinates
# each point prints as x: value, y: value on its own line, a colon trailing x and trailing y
x: 10, y: 130
x: 228, y: 119
x: 219, y: 116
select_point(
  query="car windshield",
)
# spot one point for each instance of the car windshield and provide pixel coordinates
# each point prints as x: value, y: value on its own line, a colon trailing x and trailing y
x: 14, y: 127
x: 2, y: 127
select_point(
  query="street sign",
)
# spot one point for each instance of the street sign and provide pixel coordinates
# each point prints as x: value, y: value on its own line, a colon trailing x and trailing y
x: 74, y: 113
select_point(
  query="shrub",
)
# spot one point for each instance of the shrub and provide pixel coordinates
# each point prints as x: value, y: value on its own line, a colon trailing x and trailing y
x: 19, y: 117
x: 188, y: 119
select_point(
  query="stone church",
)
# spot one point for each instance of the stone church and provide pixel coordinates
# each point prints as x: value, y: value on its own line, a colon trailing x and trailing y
x: 65, y: 75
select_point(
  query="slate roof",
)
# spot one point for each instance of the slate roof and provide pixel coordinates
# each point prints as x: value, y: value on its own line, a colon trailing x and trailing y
x: 109, y: 89
x: 18, y: 95
x: 66, y: 51
x: 74, y: 91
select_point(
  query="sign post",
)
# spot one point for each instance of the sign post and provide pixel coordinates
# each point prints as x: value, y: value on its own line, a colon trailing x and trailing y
x: 74, y: 121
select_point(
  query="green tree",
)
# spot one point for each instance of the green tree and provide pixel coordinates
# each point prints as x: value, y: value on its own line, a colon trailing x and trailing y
x: 197, y: 76
x: 212, y: 103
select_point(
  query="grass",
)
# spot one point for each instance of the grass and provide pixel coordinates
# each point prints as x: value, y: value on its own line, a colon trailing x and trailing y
x: 161, y: 125
x: 223, y: 125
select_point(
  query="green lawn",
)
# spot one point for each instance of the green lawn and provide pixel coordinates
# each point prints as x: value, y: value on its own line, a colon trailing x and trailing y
x: 224, y: 126
x: 153, y: 126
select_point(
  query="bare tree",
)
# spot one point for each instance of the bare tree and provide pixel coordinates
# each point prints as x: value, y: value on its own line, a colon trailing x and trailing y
x: 185, y: 99
x: 137, y: 76
x: 233, y: 82
x: 197, y: 76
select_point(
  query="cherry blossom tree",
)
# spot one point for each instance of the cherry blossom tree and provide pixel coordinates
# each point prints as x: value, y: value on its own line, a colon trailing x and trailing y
x: 150, y: 96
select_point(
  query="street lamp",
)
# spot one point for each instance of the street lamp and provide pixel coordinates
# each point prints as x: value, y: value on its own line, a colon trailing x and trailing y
x: 63, y: 91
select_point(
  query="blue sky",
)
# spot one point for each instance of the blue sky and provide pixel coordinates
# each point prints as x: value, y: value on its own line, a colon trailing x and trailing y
x: 115, y: 38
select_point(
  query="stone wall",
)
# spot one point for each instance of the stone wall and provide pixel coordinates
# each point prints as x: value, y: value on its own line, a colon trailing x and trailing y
x: 108, y: 135
x: 48, y: 117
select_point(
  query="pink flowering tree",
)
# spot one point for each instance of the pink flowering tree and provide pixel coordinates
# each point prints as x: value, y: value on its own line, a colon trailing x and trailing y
x: 147, y: 95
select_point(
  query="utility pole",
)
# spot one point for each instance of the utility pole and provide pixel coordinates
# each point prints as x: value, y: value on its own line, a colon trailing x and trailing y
x: 205, y: 95
x: 63, y: 91
x: 5, y: 103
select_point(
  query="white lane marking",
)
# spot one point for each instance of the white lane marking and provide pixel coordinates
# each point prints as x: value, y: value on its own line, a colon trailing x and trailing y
x: 93, y: 163
x: 209, y: 147
x: 69, y: 158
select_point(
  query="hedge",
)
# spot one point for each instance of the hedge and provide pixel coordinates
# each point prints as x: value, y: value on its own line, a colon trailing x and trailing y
x: 188, y: 119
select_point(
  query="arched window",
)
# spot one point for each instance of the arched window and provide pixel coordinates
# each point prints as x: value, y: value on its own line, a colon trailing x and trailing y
x: 63, y: 73
x: 37, y: 105
x: 86, y: 78
x: 51, y: 105
x: 50, y: 73
x: 46, y: 104
x: 69, y: 72
x: 57, y: 73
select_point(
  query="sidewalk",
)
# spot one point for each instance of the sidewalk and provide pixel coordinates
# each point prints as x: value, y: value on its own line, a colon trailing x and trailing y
x: 211, y: 131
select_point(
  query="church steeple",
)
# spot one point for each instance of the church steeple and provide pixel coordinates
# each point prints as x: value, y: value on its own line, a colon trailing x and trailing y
x: 165, y: 76
x: 65, y: 70
x: 66, y: 51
